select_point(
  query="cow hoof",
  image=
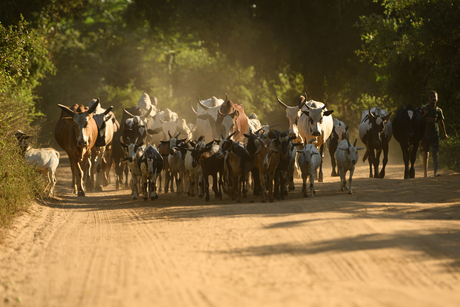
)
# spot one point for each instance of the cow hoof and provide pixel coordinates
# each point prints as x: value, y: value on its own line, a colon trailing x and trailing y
x: 81, y: 193
x: 134, y: 197
x: 264, y: 201
x: 350, y: 192
x: 200, y: 196
x: 145, y: 198
x: 382, y: 175
x: 238, y: 201
x: 305, y: 195
x: 271, y: 199
x: 98, y: 189
x: 207, y: 197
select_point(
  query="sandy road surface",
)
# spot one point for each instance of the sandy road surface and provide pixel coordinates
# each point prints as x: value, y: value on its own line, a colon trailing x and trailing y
x: 392, y: 243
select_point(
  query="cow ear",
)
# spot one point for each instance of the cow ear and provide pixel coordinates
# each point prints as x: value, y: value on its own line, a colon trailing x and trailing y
x: 68, y: 119
x: 307, y: 113
x: 327, y: 113
x: 359, y: 148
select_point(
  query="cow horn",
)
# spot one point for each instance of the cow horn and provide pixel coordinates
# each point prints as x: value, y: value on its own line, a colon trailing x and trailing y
x: 94, y: 106
x: 170, y: 136
x: 281, y: 103
x: 149, y: 112
x: 108, y: 110
x: 129, y: 141
x: 371, y: 115
x: 127, y: 113
x: 311, y: 140
x: 302, y: 101
x: 226, y: 97
x: 220, y: 113
x: 325, y: 105
x: 230, y: 136
x: 203, y: 105
x: 177, y: 135
x: 66, y: 109
x: 193, y: 108
x: 135, y: 142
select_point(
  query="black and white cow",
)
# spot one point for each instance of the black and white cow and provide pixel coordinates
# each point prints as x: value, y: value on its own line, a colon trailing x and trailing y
x: 375, y: 132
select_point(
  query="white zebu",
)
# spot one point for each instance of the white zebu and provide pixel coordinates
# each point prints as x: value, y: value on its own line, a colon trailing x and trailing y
x: 317, y: 123
x: 206, y: 116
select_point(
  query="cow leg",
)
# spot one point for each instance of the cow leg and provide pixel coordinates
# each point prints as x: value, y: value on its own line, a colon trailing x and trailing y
x: 126, y: 172
x: 256, y: 177
x: 413, y: 156
x: 262, y: 186
x: 321, y: 152
x: 405, y: 154
x: 79, y: 179
x: 277, y: 185
x: 332, y: 149
x: 283, y: 184
x: 385, y: 160
x: 144, y: 189
x: 200, y: 186
x: 312, y: 185
x: 350, y: 178
x: 270, y: 186
x: 153, y: 186
x: 343, y: 179
x: 239, y: 185
x: 135, y: 192
x: 304, y: 185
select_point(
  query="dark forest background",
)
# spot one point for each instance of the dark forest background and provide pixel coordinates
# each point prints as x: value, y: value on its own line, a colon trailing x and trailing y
x: 351, y: 54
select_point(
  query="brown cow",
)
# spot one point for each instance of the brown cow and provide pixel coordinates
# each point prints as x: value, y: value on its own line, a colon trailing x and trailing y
x: 76, y: 133
x: 232, y: 120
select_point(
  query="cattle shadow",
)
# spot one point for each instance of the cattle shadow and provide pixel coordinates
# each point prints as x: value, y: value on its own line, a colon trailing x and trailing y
x: 441, y: 245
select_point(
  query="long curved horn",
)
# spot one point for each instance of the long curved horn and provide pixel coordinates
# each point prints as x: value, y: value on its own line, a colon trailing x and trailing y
x: 370, y: 114
x: 282, y: 103
x: 94, y: 106
x: 66, y: 109
x: 220, y: 113
x: 226, y: 97
x: 302, y: 101
x: 203, y: 105
x: 127, y: 113
x: 108, y: 110
x: 354, y: 145
x: 193, y: 108
x: 325, y: 105
x: 149, y: 112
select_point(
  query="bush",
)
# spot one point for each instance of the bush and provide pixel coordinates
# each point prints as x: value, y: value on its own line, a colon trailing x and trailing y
x: 449, y: 154
x: 19, y: 184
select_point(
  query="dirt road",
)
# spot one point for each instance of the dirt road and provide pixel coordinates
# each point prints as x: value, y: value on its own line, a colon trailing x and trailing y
x: 394, y: 242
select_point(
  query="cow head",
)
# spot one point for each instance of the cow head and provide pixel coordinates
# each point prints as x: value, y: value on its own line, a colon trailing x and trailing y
x: 308, y: 151
x: 315, y: 117
x: 377, y: 127
x: 81, y: 119
x: 352, y: 151
x: 340, y: 131
x: 293, y: 114
x: 226, y: 123
x: 131, y: 148
x: 104, y: 127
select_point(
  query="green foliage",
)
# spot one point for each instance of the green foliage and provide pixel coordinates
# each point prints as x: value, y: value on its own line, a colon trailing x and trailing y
x: 413, y: 48
x: 23, y: 62
x: 19, y: 184
x: 449, y: 155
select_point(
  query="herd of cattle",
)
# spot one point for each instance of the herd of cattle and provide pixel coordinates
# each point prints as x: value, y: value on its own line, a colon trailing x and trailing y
x: 157, y: 147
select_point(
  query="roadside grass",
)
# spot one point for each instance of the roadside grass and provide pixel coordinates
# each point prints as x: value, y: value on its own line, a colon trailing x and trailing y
x: 19, y: 184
